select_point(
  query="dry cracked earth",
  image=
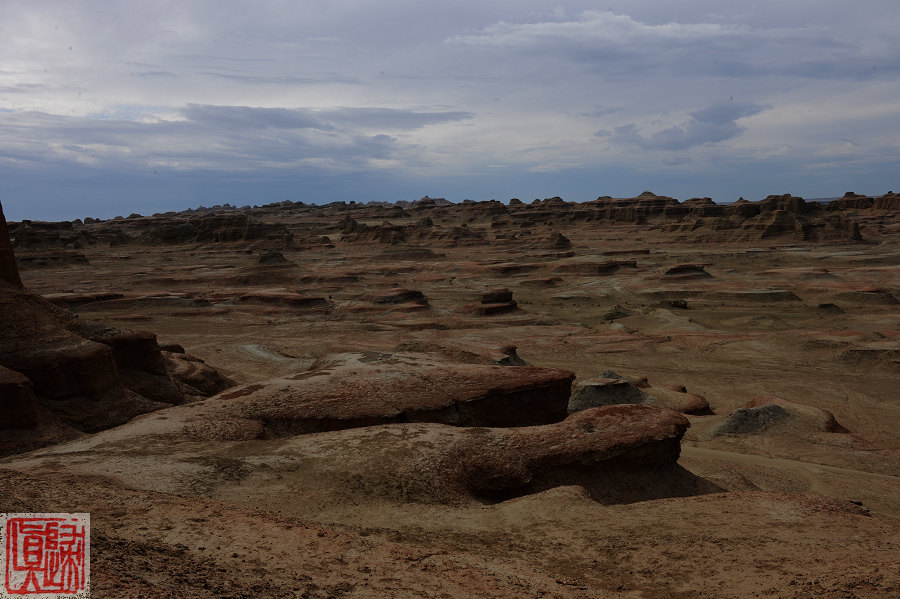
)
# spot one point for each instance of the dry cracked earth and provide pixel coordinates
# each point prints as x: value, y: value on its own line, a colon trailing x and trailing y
x: 636, y: 397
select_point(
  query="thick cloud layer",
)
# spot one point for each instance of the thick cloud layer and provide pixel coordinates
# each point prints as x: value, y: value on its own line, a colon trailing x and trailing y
x: 120, y: 107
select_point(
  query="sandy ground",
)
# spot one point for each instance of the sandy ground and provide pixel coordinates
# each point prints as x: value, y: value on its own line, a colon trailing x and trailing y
x: 802, y: 511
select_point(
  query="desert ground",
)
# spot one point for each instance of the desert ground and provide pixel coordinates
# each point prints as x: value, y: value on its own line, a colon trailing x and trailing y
x: 636, y: 397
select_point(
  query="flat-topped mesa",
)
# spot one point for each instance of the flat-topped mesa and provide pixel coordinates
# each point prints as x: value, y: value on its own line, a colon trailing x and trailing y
x: 9, y: 272
x: 889, y: 201
x: 488, y: 208
x: 36, y: 235
x: 210, y: 228
x: 793, y: 204
x: 636, y: 210
x: 850, y: 201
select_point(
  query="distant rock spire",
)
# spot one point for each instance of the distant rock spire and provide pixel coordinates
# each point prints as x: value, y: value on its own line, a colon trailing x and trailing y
x: 9, y: 272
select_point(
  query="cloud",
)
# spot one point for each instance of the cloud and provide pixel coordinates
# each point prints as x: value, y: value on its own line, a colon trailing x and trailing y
x: 391, y: 118
x: 245, y: 117
x: 221, y: 138
x: 611, y: 43
x: 312, y: 79
x: 600, y: 112
x: 413, y: 89
x: 713, y: 124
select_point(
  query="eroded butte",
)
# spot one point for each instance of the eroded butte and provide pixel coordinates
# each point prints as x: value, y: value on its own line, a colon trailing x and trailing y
x: 631, y: 397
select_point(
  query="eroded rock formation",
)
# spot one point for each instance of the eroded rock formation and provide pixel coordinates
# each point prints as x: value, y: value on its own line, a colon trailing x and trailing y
x: 60, y: 375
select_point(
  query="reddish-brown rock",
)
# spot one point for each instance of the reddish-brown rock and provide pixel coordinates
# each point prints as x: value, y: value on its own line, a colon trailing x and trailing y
x: 617, y: 453
x: 617, y: 391
x: 494, y: 301
x: 193, y: 375
x: 352, y: 390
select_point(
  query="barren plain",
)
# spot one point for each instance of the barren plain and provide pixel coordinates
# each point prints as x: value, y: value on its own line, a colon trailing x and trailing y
x: 634, y: 397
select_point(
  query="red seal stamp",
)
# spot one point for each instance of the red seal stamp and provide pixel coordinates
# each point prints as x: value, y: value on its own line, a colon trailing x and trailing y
x: 45, y: 556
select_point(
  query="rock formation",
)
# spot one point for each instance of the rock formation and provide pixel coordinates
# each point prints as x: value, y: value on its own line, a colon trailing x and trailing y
x: 493, y: 302
x: 9, y: 272
x: 351, y: 390
x: 616, y: 390
x: 60, y: 374
x: 604, y: 450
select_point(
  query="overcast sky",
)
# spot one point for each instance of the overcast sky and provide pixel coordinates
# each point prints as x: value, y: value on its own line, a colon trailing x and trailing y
x: 111, y: 108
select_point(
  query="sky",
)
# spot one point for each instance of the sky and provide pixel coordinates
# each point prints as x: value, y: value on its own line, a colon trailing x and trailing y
x: 111, y: 108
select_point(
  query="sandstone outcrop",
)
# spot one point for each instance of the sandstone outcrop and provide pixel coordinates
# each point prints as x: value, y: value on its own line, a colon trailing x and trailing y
x: 616, y: 453
x: 352, y: 390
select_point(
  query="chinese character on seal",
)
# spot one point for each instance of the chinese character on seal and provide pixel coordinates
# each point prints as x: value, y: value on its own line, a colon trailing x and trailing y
x: 45, y: 555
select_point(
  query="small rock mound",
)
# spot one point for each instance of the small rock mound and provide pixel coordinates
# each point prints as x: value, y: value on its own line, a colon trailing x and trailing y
x: 754, y: 420
x: 395, y: 296
x: 494, y: 301
x: 817, y: 418
x: 616, y: 390
x: 605, y: 392
x: 272, y: 257
x: 688, y: 271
